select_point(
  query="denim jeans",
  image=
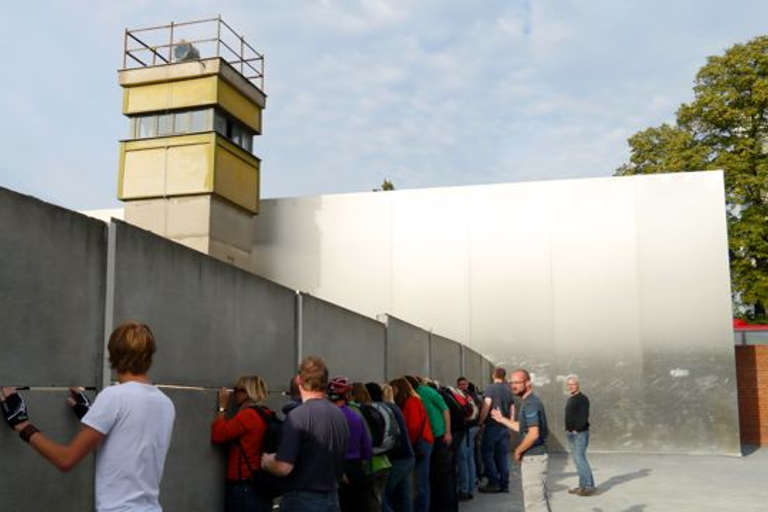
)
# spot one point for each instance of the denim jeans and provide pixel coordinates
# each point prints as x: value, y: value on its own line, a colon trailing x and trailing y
x: 421, y: 471
x: 397, y: 491
x: 465, y: 460
x: 578, y: 442
x: 309, y: 501
x: 495, y: 450
x: 242, y: 497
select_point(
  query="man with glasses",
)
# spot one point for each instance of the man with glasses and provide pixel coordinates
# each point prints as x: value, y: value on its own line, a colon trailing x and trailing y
x: 531, y: 453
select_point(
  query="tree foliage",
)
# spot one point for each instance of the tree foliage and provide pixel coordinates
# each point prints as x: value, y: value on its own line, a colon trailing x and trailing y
x: 724, y: 127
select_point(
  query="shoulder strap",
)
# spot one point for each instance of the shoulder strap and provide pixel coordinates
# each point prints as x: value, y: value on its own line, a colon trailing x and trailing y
x: 247, y: 462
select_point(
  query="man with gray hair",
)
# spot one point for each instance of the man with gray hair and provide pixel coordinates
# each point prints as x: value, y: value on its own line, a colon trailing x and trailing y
x: 577, y: 431
x: 531, y: 453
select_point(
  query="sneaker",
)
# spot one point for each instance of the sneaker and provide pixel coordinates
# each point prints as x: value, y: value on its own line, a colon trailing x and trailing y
x: 586, y: 491
x: 490, y: 488
x: 575, y: 490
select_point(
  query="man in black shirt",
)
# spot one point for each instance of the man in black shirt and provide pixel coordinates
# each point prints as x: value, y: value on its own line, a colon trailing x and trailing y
x: 313, y: 446
x: 577, y: 431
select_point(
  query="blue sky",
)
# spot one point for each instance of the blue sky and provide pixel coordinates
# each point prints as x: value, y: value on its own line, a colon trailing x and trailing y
x: 426, y: 93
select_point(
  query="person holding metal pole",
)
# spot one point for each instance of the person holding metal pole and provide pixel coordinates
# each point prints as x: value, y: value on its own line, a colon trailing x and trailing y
x: 131, y: 424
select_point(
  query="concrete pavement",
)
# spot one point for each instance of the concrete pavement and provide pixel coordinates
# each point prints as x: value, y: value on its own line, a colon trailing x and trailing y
x: 645, y: 483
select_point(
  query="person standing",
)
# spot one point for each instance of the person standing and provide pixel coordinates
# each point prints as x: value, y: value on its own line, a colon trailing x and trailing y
x: 441, y: 473
x: 130, y: 423
x: 531, y: 453
x: 421, y: 438
x: 577, y: 432
x: 244, y: 435
x: 313, y: 446
x: 495, y: 437
x: 355, y: 486
x: 465, y: 454
x: 397, y: 488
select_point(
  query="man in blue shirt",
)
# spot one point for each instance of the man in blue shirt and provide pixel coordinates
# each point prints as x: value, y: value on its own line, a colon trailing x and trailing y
x: 531, y: 453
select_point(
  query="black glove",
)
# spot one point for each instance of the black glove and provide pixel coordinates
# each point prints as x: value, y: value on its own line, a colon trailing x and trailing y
x: 81, y: 403
x: 14, y: 410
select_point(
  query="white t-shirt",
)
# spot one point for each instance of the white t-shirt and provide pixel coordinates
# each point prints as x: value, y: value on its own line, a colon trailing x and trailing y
x: 137, y: 420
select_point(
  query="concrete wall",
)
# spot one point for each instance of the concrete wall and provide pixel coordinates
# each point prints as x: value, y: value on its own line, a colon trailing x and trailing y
x: 353, y: 345
x: 622, y: 280
x: 66, y: 280
x: 52, y: 264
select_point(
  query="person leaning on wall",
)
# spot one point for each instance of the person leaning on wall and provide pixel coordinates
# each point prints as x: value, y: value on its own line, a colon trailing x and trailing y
x: 131, y: 423
x: 244, y: 435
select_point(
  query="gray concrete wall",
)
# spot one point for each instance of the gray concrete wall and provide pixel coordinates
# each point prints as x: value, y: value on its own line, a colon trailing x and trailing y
x: 474, y: 369
x: 407, y: 349
x: 65, y: 277
x: 52, y: 264
x: 445, y: 360
x: 352, y: 345
x: 213, y: 322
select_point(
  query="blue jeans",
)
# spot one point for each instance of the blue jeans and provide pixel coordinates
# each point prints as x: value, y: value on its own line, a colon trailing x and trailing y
x: 310, y: 501
x: 465, y: 460
x: 495, y: 450
x: 423, y: 453
x: 242, y: 497
x: 579, y: 442
x: 397, y: 490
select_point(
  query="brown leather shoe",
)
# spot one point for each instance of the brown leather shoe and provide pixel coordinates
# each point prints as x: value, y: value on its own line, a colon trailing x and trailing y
x: 575, y: 490
x: 586, y: 491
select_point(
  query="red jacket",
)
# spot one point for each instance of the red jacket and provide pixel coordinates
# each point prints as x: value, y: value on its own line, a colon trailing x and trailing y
x: 248, y: 428
x: 416, y: 421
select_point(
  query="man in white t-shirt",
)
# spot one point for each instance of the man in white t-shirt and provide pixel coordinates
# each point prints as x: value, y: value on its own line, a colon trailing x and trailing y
x: 131, y: 423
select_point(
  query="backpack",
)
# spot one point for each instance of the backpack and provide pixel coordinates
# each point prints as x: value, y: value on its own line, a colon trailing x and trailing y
x: 391, y: 438
x: 274, y: 429
x: 266, y: 483
x: 458, y: 423
x: 375, y: 421
x: 468, y: 405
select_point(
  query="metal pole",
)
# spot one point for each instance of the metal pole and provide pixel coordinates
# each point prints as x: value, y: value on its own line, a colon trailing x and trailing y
x: 242, y: 55
x: 218, y: 37
x: 170, y: 46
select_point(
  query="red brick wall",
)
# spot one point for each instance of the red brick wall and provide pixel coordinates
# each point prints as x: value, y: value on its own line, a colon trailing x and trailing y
x: 752, y: 378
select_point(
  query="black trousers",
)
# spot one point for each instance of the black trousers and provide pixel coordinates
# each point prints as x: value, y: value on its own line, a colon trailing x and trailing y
x: 442, y: 479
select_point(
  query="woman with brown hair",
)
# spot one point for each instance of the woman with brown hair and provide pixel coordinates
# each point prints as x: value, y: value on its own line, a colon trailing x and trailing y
x: 420, y: 436
x: 244, y: 433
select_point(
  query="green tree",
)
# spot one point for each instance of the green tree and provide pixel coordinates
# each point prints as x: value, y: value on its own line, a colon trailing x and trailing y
x: 724, y: 127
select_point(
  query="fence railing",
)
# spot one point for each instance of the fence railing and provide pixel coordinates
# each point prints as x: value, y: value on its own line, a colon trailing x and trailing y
x: 154, y: 46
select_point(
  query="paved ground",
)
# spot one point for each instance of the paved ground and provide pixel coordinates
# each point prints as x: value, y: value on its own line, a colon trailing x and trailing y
x: 645, y: 483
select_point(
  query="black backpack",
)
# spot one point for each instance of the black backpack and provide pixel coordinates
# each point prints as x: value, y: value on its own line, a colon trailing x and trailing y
x: 266, y: 483
x: 376, y: 422
x: 274, y: 428
x: 458, y: 418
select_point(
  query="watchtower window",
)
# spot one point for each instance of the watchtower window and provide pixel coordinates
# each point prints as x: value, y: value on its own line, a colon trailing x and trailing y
x: 147, y: 126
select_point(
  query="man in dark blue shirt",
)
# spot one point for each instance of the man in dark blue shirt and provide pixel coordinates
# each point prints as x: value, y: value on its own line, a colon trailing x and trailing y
x: 531, y: 453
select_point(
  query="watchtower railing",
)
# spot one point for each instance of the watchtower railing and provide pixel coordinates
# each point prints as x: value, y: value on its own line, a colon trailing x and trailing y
x: 153, y: 46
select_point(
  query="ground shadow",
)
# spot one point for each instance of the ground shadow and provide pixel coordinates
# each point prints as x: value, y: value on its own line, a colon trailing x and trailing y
x: 633, y: 508
x: 612, y: 482
x: 749, y: 449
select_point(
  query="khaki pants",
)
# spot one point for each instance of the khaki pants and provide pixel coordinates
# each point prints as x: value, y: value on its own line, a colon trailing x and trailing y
x: 534, y: 479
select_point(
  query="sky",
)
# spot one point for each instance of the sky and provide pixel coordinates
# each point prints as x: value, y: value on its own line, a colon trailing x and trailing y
x: 424, y: 93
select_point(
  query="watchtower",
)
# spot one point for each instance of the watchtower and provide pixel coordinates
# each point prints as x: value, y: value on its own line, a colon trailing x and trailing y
x: 193, y: 93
